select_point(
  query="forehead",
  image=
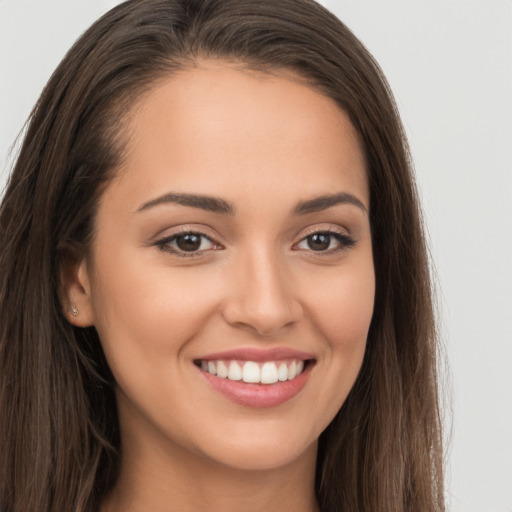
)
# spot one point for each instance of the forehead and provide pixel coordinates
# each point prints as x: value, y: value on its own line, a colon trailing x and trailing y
x: 222, y: 130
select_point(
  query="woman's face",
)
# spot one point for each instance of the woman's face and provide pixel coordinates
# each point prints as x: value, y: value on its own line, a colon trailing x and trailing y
x: 235, y: 240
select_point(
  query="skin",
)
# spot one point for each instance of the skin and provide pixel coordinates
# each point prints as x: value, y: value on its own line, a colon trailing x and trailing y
x: 262, y: 142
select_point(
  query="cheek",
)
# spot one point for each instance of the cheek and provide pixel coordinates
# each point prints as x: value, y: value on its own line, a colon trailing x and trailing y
x: 145, y: 312
x: 342, y: 308
x: 340, y: 311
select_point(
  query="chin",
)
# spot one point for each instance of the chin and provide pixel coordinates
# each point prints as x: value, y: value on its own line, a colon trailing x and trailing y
x: 260, y: 452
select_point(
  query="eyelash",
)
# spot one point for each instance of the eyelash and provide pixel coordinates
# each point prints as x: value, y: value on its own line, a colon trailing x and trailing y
x: 165, y: 247
x: 345, y: 242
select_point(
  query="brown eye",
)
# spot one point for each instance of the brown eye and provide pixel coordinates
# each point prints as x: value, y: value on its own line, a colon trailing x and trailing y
x: 326, y: 241
x: 188, y: 243
x: 319, y: 241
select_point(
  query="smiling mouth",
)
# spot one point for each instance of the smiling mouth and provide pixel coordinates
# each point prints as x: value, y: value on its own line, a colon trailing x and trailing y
x: 252, y: 372
x: 257, y: 378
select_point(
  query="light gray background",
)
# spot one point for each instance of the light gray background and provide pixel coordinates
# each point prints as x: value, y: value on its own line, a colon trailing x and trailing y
x: 449, y: 63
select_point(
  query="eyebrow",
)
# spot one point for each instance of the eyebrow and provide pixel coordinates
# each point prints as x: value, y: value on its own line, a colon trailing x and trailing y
x: 218, y: 205
x: 323, y: 202
x: 208, y: 203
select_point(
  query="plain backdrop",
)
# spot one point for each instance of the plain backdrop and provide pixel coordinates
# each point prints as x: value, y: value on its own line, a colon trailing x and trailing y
x: 449, y: 63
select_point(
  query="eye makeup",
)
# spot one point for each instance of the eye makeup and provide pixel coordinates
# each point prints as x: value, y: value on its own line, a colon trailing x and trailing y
x: 325, y: 241
x: 195, y: 243
x: 188, y: 243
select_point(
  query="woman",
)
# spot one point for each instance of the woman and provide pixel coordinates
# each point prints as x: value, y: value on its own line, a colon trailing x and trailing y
x: 219, y: 296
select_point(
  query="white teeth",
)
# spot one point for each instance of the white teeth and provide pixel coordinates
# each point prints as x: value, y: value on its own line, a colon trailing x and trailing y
x: 292, y: 371
x: 269, y: 373
x: 282, y: 373
x: 251, y: 372
x: 212, y: 368
x: 222, y: 370
x: 235, y: 372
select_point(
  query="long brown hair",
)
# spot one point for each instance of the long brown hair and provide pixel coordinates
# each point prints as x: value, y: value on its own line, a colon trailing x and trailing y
x: 59, y: 434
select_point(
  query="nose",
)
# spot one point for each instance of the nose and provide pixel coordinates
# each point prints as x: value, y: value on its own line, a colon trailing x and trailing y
x: 262, y: 299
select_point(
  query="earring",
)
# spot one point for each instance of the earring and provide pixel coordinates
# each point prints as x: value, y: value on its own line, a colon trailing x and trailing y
x: 73, y: 310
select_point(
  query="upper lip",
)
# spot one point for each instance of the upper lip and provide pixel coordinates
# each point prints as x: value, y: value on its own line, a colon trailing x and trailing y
x: 258, y: 355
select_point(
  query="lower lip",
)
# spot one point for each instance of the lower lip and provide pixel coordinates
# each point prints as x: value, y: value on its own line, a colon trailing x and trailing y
x: 259, y: 395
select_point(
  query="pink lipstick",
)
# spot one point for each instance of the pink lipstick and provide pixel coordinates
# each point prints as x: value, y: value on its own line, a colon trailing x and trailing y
x: 256, y: 377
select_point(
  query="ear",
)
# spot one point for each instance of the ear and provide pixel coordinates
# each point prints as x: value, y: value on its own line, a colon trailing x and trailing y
x: 75, y: 288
